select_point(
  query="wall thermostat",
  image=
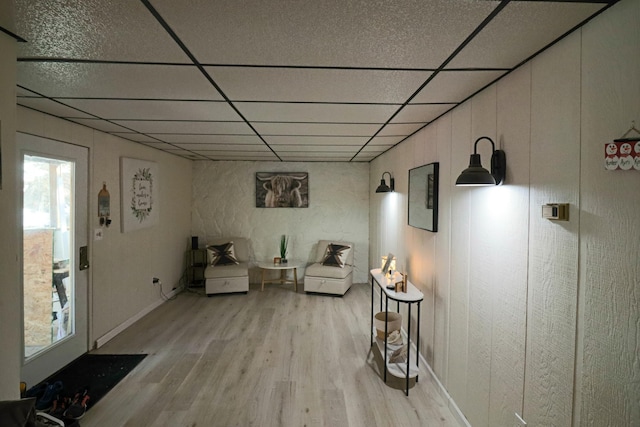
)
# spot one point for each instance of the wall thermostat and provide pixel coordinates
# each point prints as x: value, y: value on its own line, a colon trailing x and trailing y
x: 556, y: 211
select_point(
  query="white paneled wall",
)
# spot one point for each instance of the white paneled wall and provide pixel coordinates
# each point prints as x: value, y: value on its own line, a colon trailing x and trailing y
x: 224, y: 204
x: 522, y: 314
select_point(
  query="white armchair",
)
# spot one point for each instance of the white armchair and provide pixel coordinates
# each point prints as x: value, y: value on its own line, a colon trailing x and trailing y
x: 332, y: 270
x: 228, y: 278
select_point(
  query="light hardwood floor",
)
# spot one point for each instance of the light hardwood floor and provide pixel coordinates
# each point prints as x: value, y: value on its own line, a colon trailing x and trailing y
x: 272, y: 358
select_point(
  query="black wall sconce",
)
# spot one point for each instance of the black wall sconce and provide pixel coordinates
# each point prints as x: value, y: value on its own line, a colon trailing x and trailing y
x: 383, y: 188
x: 476, y: 175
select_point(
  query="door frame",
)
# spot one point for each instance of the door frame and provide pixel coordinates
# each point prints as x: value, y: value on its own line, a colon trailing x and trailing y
x: 40, y: 366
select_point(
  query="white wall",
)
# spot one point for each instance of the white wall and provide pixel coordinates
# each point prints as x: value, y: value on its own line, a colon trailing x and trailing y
x: 524, y: 314
x: 224, y: 204
x: 123, y: 264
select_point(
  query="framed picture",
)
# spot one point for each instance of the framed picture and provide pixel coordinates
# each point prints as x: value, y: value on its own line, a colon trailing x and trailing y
x: 282, y: 190
x: 139, y: 205
x: 423, y: 197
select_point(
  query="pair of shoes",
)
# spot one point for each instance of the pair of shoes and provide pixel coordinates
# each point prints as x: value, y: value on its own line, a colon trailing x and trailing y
x: 78, y: 405
x: 50, y: 393
x: 60, y: 405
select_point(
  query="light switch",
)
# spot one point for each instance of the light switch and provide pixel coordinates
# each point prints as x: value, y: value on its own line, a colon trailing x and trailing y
x: 556, y: 211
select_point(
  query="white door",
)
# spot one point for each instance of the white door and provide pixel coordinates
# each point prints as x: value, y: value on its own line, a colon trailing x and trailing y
x: 54, y: 272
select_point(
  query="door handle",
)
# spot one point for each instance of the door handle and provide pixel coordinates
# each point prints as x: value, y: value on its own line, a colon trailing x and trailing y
x: 84, y: 258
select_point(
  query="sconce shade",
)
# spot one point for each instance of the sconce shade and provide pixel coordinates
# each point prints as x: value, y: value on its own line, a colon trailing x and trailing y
x: 383, y: 188
x: 476, y: 175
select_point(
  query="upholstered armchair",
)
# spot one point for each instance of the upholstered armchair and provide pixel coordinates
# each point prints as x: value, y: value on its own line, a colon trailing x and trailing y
x: 227, y: 268
x: 332, y: 269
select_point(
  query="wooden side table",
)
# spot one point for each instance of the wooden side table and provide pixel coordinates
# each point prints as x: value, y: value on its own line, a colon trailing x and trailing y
x: 290, y: 265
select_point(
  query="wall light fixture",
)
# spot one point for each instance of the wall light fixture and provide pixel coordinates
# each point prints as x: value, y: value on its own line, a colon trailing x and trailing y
x: 476, y: 175
x: 383, y: 188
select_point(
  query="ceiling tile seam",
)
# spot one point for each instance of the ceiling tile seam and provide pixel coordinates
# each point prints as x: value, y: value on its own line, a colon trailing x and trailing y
x: 462, y: 45
x: 204, y: 72
x: 12, y: 35
x: 276, y: 66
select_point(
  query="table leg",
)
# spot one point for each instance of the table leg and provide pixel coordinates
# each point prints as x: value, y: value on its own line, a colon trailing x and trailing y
x: 295, y: 279
x: 263, y: 270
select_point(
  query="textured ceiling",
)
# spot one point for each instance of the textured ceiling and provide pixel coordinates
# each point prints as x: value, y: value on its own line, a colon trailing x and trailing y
x: 285, y: 80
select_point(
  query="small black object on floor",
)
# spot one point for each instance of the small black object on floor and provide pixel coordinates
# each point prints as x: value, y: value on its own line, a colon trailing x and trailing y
x: 98, y: 373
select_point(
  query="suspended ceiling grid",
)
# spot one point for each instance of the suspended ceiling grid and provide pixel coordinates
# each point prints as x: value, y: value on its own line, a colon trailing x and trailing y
x: 337, y: 80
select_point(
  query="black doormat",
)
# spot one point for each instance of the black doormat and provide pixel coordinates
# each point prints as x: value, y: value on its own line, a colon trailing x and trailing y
x: 98, y: 373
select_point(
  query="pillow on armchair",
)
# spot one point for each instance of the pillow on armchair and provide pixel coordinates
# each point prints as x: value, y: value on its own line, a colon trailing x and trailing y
x: 336, y: 255
x: 223, y: 254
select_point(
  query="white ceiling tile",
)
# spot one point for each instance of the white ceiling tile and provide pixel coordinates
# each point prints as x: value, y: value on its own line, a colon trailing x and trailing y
x: 252, y: 148
x: 99, y: 124
x: 386, y: 140
x: 421, y: 113
x: 521, y: 30
x: 51, y: 107
x: 318, y: 129
x: 115, y: 109
x: 328, y: 113
x: 138, y: 137
x: 106, y: 30
x: 308, y: 148
x: 210, y: 139
x: 455, y: 86
x: 89, y: 80
x: 335, y: 32
x: 317, y: 85
x: 187, y: 127
x: 400, y: 130
x: 316, y: 140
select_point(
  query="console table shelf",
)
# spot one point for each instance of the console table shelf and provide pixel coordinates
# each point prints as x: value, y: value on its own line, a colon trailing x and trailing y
x: 409, y: 368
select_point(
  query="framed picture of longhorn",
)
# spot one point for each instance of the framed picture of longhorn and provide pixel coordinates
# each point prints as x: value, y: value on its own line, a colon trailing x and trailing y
x: 282, y: 190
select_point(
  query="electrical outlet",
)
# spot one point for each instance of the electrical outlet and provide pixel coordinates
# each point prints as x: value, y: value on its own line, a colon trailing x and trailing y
x: 519, y: 421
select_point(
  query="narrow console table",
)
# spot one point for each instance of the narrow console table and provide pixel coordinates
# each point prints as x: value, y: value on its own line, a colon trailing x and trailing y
x: 412, y: 296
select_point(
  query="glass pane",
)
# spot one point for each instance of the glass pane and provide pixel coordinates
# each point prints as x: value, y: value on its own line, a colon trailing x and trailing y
x: 47, y: 245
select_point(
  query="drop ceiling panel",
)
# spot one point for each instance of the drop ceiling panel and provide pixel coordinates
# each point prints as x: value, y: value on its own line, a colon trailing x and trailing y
x: 521, y: 30
x: 253, y: 148
x: 121, y: 30
x: 455, y: 86
x: 328, y: 113
x: 316, y: 157
x: 318, y: 129
x: 399, y: 130
x: 385, y: 140
x: 50, y: 107
x: 114, y: 109
x: 315, y: 140
x: 83, y: 80
x: 100, y: 125
x: 333, y: 33
x: 210, y: 139
x: 317, y: 85
x: 421, y: 113
x: 187, y: 127
x: 315, y: 148
x: 138, y: 137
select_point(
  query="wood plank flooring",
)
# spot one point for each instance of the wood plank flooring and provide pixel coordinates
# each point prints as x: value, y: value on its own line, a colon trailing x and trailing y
x: 273, y: 358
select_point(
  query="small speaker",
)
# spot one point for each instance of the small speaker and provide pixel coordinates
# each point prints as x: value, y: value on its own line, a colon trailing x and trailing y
x: 194, y: 242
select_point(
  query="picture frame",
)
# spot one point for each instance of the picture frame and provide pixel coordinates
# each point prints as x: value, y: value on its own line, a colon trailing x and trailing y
x: 423, y: 197
x: 282, y: 190
x: 387, y: 264
x: 139, y: 191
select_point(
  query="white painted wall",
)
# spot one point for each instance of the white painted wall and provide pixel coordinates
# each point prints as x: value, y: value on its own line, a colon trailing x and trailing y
x: 224, y: 204
x: 123, y: 264
x: 523, y: 314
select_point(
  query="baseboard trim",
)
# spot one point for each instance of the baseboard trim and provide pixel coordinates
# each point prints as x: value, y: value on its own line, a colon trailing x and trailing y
x: 130, y: 321
x: 455, y: 410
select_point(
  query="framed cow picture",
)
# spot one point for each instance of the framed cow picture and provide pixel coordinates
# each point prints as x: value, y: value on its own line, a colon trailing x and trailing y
x: 282, y: 190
